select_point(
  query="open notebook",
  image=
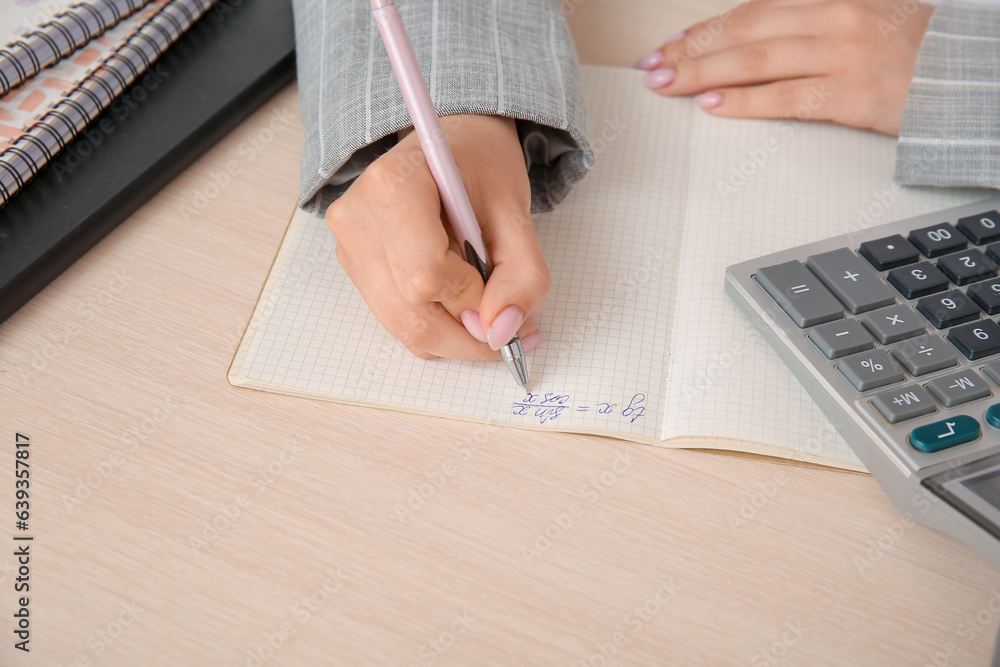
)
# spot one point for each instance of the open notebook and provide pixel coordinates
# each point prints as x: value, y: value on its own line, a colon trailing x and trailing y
x: 641, y: 341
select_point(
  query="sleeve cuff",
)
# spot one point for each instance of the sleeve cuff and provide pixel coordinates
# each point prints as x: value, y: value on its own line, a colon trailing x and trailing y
x: 516, y: 60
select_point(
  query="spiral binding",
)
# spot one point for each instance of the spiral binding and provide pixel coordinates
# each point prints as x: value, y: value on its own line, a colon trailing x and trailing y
x: 48, y: 135
x: 61, y: 36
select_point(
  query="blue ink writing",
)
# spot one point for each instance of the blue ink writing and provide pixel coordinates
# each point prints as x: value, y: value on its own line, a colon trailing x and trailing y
x: 548, y: 407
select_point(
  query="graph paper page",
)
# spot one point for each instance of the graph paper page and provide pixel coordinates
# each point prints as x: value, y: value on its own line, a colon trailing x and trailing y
x: 612, y: 247
x: 757, y: 187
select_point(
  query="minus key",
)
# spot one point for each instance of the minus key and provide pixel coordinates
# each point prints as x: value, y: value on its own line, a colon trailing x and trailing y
x: 840, y: 338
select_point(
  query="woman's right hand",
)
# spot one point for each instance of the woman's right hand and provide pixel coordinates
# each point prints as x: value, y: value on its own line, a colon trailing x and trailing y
x: 396, y: 247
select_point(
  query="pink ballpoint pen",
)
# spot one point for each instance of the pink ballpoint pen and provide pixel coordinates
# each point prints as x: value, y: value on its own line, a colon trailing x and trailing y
x: 440, y: 160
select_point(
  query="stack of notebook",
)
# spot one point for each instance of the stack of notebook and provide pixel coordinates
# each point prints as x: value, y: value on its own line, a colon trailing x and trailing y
x: 104, y: 101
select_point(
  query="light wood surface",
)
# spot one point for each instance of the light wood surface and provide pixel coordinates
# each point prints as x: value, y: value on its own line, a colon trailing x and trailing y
x: 185, y: 521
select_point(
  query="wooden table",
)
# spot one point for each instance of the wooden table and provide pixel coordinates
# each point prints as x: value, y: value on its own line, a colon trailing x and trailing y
x: 180, y: 521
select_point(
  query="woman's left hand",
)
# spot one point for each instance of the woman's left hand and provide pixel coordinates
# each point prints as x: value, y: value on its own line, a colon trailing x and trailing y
x: 845, y: 61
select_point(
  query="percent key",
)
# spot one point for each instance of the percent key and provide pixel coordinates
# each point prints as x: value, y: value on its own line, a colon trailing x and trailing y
x: 870, y: 370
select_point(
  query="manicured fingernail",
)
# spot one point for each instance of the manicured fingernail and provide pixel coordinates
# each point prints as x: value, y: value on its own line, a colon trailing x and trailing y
x: 532, y: 340
x: 709, y: 100
x: 680, y: 35
x: 504, y: 327
x: 660, y: 78
x: 537, y: 312
x: 470, y: 319
x: 650, y: 61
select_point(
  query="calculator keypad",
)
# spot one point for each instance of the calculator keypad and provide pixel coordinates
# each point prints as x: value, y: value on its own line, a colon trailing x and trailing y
x: 893, y: 324
x: 937, y: 240
x: 871, y: 370
x: 982, y: 228
x: 889, y: 253
x: 851, y: 280
x: 946, y: 433
x: 957, y: 388
x: 800, y: 294
x: 918, y: 280
x: 908, y: 402
x: 841, y: 337
x: 967, y: 267
x: 924, y: 354
x: 977, y: 340
x: 948, y: 309
x: 919, y: 322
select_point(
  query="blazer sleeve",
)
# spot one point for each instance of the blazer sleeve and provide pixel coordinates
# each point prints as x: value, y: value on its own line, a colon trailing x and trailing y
x: 513, y: 59
x: 950, y: 133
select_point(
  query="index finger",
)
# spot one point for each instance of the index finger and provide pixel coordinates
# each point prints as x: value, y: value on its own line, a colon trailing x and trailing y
x: 752, y: 22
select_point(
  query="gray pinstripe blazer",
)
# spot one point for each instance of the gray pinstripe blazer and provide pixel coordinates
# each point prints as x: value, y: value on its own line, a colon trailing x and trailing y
x: 951, y: 127
x: 497, y: 57
x: 516, y: 58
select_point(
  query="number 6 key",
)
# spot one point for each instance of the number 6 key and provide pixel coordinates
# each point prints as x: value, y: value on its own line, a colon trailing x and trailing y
x: 977, y: 340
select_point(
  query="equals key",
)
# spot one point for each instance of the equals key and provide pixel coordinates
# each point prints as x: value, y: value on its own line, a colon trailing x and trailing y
x: 799, y: 293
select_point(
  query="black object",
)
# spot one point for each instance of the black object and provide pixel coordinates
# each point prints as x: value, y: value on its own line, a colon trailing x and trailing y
x: 938, y: 240
x: 976, y: 340
x: 967, y: 267
x: 948, y: 309
x: 235, y: 58
x: 918, y: 280
x: 889, y: 253
x: 982, y: 228
x: 987, y: 295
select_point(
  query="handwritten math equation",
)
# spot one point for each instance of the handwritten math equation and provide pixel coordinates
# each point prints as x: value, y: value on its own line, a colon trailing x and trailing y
x: 548, y: 407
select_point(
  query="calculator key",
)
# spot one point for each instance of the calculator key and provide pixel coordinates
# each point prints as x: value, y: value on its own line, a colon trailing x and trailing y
x: 987, y: 295
x: 993, y: 251
x: 851, y: 281
x: 967, y: 267
x: 898, y: 405
x: 924, y: 354
x: 799, y: 293
x: 889, y: 253
x: 938, y: 240
x: 977, y: 340
x: 893, y: 323
x: 948, y: 309
x: 840, y: 338
x: 959, y: 387
x: 992, y: 371
x: 982, y: 228
x: 870, y: 370
x: 918, y: 280
x: 993, y: 415
x: 946, y: 433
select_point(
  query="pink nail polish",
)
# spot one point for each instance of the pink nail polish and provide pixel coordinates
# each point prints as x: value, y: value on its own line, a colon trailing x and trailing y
x: 650, y: 61
x: 470, y: 319
x: 504, y: 327
x: 709, y: 100
x: 680, y: 35
x: 532, y: 340
x: 660, y: 78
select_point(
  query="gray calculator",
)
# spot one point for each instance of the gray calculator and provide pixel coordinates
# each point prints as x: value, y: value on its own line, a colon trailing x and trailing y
x: 894, y: 333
